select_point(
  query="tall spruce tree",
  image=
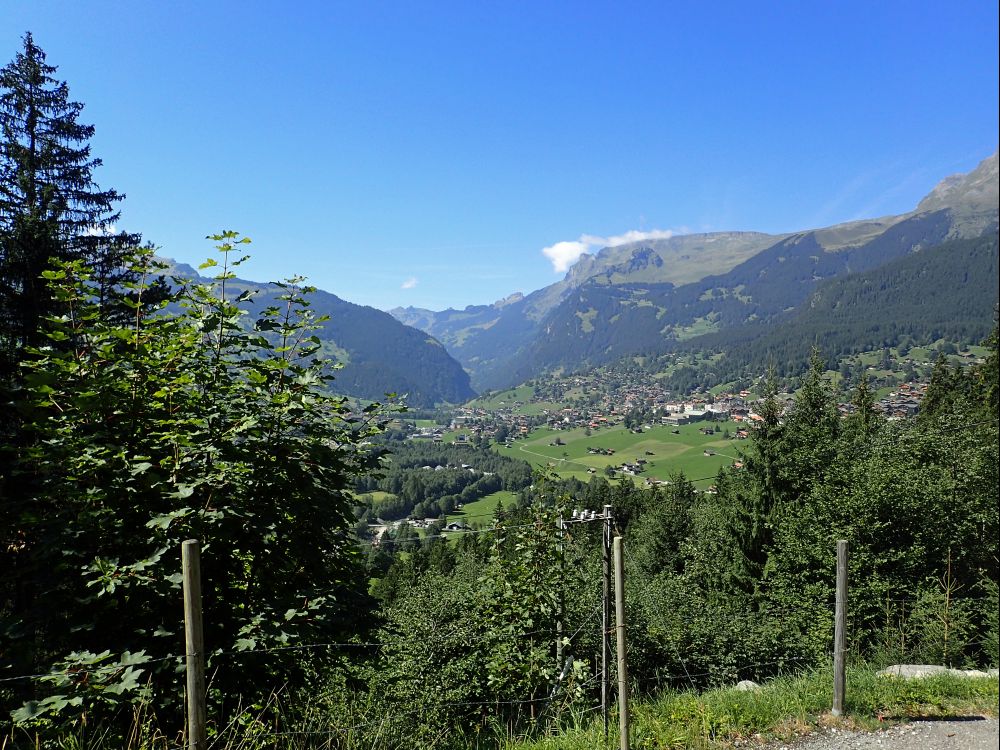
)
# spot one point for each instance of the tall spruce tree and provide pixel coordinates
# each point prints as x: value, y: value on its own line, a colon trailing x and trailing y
x: 864, y: 418
x: 756, y: 494
x: 50, y: 205
x: 50, y: 208
x: 811, y: 429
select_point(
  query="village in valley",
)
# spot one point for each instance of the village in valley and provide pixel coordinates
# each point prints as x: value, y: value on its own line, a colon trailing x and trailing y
x: 606, y: 398
x: 623, y: 424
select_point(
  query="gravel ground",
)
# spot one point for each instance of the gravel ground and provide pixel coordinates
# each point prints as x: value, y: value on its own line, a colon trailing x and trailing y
x: 959, y: 733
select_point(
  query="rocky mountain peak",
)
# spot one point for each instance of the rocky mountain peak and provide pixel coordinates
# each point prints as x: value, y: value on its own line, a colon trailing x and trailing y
x: 979, y: 190
x: 510, y: 299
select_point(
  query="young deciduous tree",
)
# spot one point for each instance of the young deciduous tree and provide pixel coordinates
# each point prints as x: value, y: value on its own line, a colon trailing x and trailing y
x: 188, y: 425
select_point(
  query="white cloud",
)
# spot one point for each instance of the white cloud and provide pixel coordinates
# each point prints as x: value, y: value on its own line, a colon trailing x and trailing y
x: 633, y: 235
x: 409, y: 283
x: 565, y: 254
x: 98, y: 231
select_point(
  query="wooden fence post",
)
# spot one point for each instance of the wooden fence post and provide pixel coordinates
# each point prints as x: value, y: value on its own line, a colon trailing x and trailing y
x: 194, y: 646
x: 620, y: 632
x: 606, y: 616
x: 840, y: 630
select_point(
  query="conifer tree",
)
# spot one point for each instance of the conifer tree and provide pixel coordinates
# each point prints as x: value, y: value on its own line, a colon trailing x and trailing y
x: 944, y: 391
x: 50, y: 205
x: 758, y: 492
x: 811, y: 430
x: 863, y: 401
x: 988, y: 375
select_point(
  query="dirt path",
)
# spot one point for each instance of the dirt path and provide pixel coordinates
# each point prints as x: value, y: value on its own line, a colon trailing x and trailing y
x: 956, y: 733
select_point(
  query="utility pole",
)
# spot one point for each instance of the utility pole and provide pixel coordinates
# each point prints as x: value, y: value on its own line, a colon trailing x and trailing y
x: 562, y: 597
x: 587, y: 516
x: 620, y: 633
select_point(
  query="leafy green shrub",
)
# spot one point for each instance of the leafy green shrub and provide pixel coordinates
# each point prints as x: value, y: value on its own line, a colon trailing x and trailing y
x: 191, y: 421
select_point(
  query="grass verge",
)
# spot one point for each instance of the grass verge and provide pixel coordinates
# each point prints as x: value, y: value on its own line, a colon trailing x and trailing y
x: 782, y: 709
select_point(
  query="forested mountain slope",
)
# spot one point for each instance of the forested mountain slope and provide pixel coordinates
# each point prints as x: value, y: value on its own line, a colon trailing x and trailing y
x: 379, y: 354
x: 484, y: 338
x: 948, y: 291
x: 598, y: 321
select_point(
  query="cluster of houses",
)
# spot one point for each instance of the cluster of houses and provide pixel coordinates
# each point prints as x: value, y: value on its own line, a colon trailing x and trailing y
x: 904, y: 402
x: 461, y: 467
x: 380, y: 528
x: 429, y: 433
x: 608, y: 401
x: 609, y: 404
x: 633, y: 468
x: 436, y: 435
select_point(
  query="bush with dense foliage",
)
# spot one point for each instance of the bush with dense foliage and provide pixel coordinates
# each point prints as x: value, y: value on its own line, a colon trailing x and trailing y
x: 190, y: 424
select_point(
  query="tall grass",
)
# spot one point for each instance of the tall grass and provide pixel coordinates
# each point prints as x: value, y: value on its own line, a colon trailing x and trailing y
x: 783, y: 708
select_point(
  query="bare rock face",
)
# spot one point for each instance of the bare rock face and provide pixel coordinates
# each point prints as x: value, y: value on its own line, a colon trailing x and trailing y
x: 972, y: 192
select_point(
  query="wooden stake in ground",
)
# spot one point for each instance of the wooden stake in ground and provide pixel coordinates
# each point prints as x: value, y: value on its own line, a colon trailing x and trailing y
x: 620, y: 632
x: 605, y: 616
x: 840, y: 630
x: 194, y: 645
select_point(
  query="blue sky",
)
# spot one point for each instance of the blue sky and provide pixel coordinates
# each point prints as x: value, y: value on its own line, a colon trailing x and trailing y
x: 425, y: 153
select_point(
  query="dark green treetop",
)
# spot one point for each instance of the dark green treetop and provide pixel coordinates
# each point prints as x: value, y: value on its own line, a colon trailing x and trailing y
x: 50, y: 205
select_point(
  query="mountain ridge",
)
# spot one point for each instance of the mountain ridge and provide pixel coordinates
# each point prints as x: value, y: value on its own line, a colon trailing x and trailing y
x: 750, y: 275
x: 377, y: 353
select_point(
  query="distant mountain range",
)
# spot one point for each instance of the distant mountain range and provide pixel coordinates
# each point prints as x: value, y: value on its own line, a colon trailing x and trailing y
x: 379, y: 354
x: 723, y: 290
x: 928, y: 273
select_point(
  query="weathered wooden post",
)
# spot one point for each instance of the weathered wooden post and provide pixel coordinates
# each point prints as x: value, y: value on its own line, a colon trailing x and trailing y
x: 194, y: 646
x: 605, y: 617
x: 620, y: 632
x: 840, y: 630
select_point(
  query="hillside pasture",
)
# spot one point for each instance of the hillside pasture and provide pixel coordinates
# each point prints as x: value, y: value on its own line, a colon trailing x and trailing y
x: 666, y: 453
x: 499, y: 399
x: 520, y: 400
x: 376, y: 496
x: 480, y: 512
